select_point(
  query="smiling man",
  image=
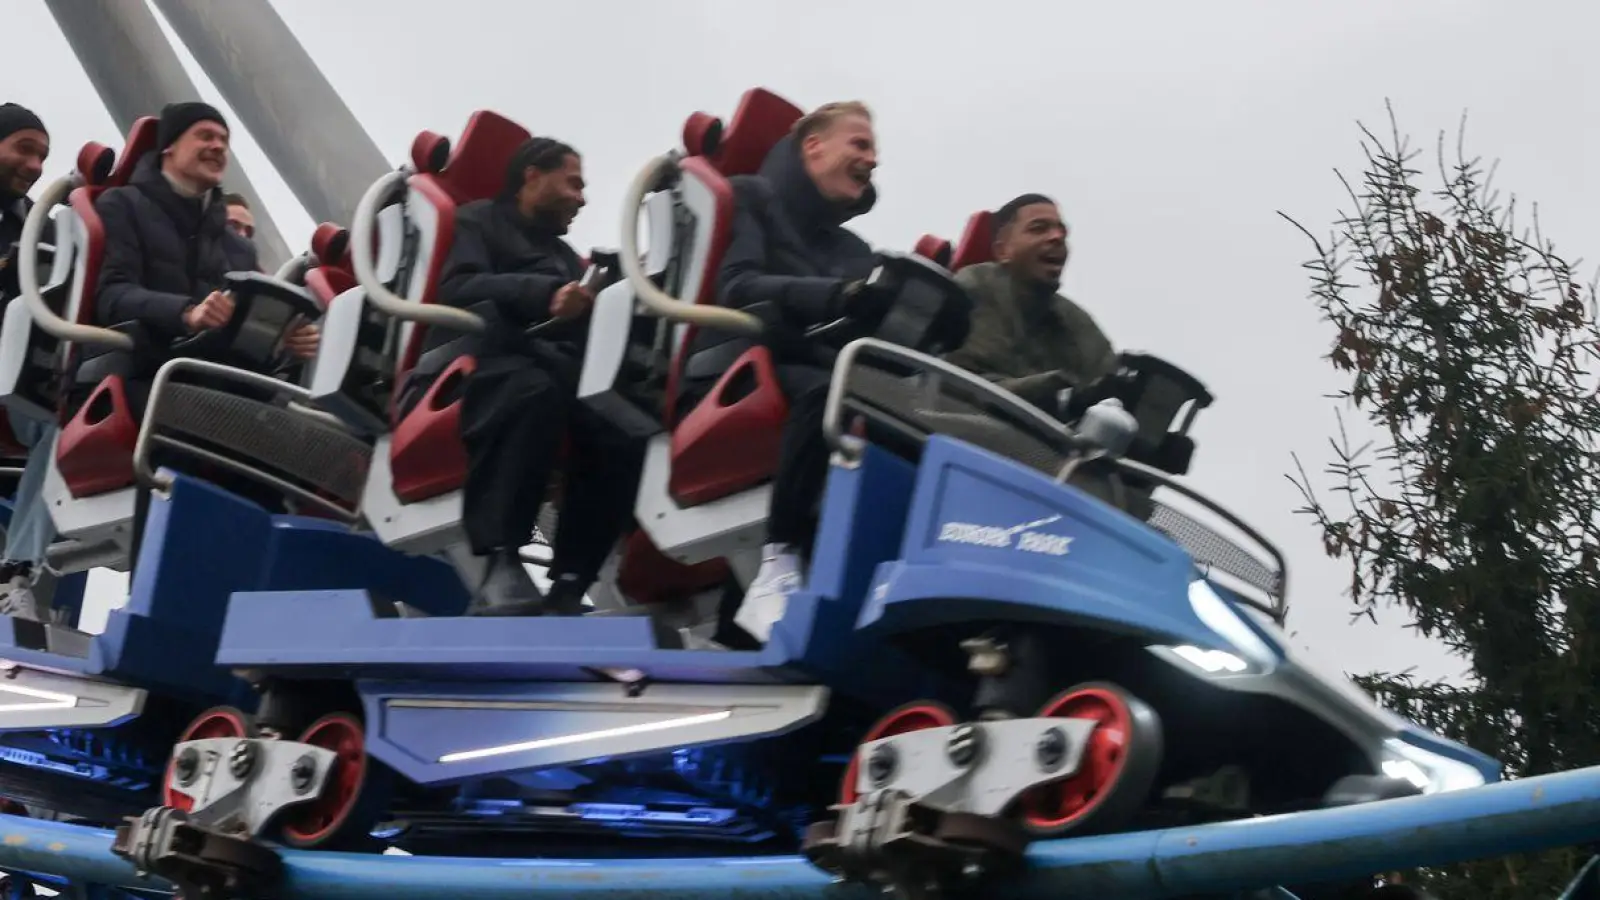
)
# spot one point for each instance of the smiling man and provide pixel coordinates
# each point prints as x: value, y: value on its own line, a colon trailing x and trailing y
x: 1025, y: 335
x: 24, y: 146
x: 167, y: 242
x: 791, y: 257
x: 510, y: 264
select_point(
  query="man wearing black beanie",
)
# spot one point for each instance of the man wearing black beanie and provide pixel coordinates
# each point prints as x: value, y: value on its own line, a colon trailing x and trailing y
x: 167, y: 244
x: 24, y: 146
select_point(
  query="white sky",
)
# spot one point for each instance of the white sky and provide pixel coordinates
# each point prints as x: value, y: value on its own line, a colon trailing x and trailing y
x: 1170, y: 132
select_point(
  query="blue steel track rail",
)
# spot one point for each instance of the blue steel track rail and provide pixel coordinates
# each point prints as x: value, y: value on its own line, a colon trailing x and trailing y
x: 1508, y: 817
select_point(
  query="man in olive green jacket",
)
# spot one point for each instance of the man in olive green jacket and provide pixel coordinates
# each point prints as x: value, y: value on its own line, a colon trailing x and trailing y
x: 1026, y: 336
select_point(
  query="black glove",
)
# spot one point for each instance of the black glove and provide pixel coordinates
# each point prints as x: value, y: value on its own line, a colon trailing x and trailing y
x: 1090, y: 394
x: 864, y: 301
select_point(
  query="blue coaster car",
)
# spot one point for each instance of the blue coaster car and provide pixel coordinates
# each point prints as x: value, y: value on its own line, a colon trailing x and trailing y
x: 87, y: 720
x: 1016, y: 624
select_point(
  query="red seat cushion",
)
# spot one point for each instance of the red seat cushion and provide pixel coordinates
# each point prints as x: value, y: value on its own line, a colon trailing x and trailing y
x: 977, y: 242
x: 328, y: 282
x: 646, y: 575
x: 475, y: 169
x: 729, y: 442
x: 330, y: 243
x: 935, y: 248
x: 95, y: 451
x: 760, y: 120
x: 426, y: 456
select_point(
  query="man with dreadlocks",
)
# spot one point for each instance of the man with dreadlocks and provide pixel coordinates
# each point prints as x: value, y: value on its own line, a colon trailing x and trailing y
x: 1025, y: 335
x: 509, y: 263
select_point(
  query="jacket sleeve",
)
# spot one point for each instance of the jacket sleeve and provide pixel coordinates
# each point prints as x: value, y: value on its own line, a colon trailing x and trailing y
x: 121, y: 295
x: 469, y: 277
x: 986, y: 348
x: 987, y: 351
x: 743, y: 279
x: 9, y: 265
x: 1097, y: 357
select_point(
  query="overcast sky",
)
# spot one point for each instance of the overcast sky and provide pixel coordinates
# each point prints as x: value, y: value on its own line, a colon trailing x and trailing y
x: 1170, y: 132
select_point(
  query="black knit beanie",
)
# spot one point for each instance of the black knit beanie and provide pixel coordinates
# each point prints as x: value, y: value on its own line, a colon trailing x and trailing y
x: 176, y: 118
x: 14, y: 118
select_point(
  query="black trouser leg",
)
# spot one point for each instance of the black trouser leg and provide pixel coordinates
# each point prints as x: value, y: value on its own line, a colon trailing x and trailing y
x: 511, y: 423
x: 602, y: 483
x: 802, y: 460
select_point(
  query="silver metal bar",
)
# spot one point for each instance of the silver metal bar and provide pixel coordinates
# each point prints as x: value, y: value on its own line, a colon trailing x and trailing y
x: 832, y: 427
x: 1171, y: 482
x: 277, y: 91
x: 248, y: 471
x: 135, y: 71
x: 295, y: 268
x: 28, y: 274
x: 362, y: 229
x: 655, y: 300
x: 147, y: 437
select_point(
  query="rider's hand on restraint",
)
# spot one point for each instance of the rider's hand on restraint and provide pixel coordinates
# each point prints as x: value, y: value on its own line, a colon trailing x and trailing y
x: 303, y: 341
x: 212, y: 312
x: 858, y: 298
x: 570, y: 302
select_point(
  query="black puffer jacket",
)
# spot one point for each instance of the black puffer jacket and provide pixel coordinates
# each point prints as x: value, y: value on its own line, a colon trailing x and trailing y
x: 789, y: 253
x: 163, y: 252
x: 510, y: 268
x: 13, y: 213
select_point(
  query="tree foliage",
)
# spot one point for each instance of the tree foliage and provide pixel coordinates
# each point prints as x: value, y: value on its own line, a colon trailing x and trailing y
x: 1471, y: 350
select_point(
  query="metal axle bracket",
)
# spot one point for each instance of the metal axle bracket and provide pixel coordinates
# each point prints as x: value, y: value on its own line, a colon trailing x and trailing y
x: 931, y: 810
x: 200, y: 861
x: 239, y: 785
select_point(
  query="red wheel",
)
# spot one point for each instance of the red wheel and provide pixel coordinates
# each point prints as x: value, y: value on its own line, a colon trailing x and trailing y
x: 332, y: 817
x: 917, y: 716
x: 217, y: 722
x: 1116, y: 773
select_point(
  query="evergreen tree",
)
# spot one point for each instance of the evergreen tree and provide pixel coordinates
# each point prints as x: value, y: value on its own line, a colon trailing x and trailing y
x: 1472, y: 351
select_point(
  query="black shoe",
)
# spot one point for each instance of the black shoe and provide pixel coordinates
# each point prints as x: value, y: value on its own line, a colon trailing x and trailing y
x: 507, y: 590
x: 566, y: 597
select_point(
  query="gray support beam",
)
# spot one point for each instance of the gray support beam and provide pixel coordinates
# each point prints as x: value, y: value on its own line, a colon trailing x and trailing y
x: 136, y: 72
x: 269, y: 80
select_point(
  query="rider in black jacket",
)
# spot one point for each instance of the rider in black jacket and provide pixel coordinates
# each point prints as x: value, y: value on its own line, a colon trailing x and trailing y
x: 792, y: 262
x: 24, y: 146
x: 166, y: 251
x: 167, y: 244
x: 510, y: 264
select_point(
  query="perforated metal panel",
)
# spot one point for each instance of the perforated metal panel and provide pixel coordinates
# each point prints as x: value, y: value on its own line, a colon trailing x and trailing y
x: 1209, y: 548
x: 303, y: 448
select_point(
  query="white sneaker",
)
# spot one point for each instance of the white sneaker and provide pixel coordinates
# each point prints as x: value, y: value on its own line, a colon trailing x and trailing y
x: 18, y: 602
x: 768, y: 597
